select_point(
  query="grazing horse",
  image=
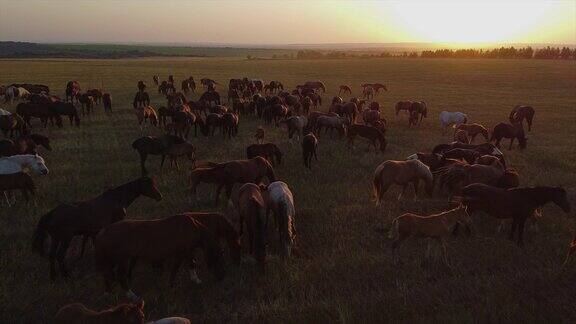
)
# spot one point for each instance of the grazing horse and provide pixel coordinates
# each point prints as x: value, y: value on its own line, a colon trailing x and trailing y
x: 230, y: 124
x: 96, y: 94
x: 402, y: 105
x: 145, y: 114
x: 107, y: 101
x: 368, y: 93
x: 331, y: 123
x: 87, y: 102
x: 519, y: 113
x: 457, y: 176
x: 210, y: 97
x: 309, y: 149
x: 345, y: 89
x: 11, y: 123
x: 126, y: 242
x: 295, y: 125
x: 517, y: 203
x: 87, y: 218
x: 17, y: 163
x: 280, y: 202
x: 375, y: 86
x: 269, y: 151
x: 472, y: 130
x: 251, y: 209
x: 368, y: 132
x: 448, y: 118
x: 25, y: 144
x: 141, y: 99
x: 121, y: 314
x: 316, y: 85
x: 227, y: 174
x: 67, y: 109
x: 401, y: 173
x: 150, y: 145
x: 43, y: 112
x: 72, y: 91
x: 511, y: 131
x: 436, y: 226
x: 418, y: 108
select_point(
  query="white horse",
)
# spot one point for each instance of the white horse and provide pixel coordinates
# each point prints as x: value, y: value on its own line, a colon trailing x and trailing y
x: 16, y: 163
x: 448, y: 118
x: 281, y: 202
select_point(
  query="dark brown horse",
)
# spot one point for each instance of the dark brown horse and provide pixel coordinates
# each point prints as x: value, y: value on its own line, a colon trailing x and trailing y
x: 222, y: 228
x: 517, y: 203
x: 43, y: 112
x: 345, y: 89
x: 251, y: 208
x: 141, y: 99
x: 67, y: 109
x: 87, y: 218
x: 87, y: 102
x: 368, y: 132
x: 511, y: 131
x: 107, y: 101
x: 120, y: 245
x: 309, y: 149
x: 519, y: 113
x: 269, y: 151
x: 121, y: 314
x: 230, y: 125
x: 25, y: 144
x: 151, y: 145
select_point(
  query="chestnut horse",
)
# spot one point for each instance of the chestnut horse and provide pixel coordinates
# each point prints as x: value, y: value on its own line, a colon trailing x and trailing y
x: 511, y: 131
x: 461, y: 136
x: 472, y: 130
x: 146, y: 114
x: 401, y: 173
x: 345, y: 89
x: 87, y: 218
x: 436, y: 226
x: 519, y: 113
x: 368, y: 132
x: 251, y: 209
x: 121, y: 314
x: 517, y: 203
x: 227, y: 174
x: 223, y: 229
x: 120, y: 245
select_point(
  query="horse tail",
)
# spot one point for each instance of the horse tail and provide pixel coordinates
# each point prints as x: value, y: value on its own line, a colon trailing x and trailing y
x: 394, y: 229
x: 41, y: 232
x: 377, y: 184
x: 286, y: 228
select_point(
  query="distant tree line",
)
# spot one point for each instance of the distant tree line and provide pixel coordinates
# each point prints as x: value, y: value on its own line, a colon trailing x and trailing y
x: 550, y: 53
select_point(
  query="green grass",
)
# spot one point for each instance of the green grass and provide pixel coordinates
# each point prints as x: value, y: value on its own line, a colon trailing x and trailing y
x: 345, y: 272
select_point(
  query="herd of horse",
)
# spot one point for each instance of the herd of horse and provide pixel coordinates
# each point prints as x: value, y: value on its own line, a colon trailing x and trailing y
x: 475, y: 177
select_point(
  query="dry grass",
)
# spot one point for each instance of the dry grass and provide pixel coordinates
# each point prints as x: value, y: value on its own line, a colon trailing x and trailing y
x: 345, y: 272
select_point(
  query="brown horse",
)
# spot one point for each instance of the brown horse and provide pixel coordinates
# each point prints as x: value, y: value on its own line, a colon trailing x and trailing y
x: 461, y: 136
x: 96, y: 94
x: 223, y: 229
x: 309, y: 149
x: 87, y: 102
x: 150, y: 145
x: 269, y: 151
x: 259, y: 135
x: 17, y: 181
x: 72, y: 90
x: 467, y: 155
x: 517, y: 203
x: 107, y: 101
x: 402, y: 105
x: 345, y: 89
x: 368, y: 132
x: 11, y: 124
x: 472, y: 130
x: 87, y: 218
x: 230, y: 124
x: 155, y: 79
x: 376, y: 86
x: 121, y: 314
x: 483, y: 149
x: 401, y: 173
x: 120, y: 245
x: 43, y: 112
x: 229, y: 173
x: 66, y: 109
x: 25, y: 144
x: 251, y: 208
x: 457, y: 176
x: 141, y: 99
x: 511, y: 131
x: 436, y: 226
x: 519, y: 113
x: 146, y: 114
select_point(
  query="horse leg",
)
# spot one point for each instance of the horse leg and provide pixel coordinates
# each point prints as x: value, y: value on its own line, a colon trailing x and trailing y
x: 84, y: 239
x: 511, y: 141
x: 53, y: 252
x: 218, y: 194
x: 444, y: 252
x: 521, y: 223
x: 7, y: 200
x: 143, y: 157
x: 513, y: 228
x: 61, y: 257
x: 131, y: 266
x: 416, y: 183
x: 192, y: 271
x: 174, y: 271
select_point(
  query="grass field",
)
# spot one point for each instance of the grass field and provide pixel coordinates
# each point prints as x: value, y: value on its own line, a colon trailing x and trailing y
x: 345, y: 272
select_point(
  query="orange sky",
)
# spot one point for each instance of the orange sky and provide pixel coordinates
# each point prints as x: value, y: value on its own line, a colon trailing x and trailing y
x: 289, y: 21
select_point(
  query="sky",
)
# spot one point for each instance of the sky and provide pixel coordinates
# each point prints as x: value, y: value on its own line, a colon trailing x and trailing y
x: 289, y: 21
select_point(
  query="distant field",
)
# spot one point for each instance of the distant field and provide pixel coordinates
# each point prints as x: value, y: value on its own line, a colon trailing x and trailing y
x: 345, y: 272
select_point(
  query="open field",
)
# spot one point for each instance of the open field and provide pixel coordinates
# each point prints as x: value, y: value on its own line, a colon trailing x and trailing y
x: 345, y: 271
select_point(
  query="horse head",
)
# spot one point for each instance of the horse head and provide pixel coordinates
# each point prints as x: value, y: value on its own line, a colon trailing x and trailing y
x: 37, y: 164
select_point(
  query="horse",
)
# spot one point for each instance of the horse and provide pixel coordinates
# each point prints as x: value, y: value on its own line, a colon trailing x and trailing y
x: 448, y: 118
x: 126, y: 242
x: 251, y: 208
x: 316, y: 85
x: 150, y: 145
x: 331, y: 123
x: 345, y: 89
x: 468, y: 155
x: 472, y: 130
x: 280, y: 201
x: 375, y: 86
x: 519, y: 113
x: 436, y: 226
x: 511, y: 131
x: 402, y: 105
x: 16, y: 163
x: 401, y: 173
x: 12, y: 123
x: 25, y: 144
x: 309, y: 149
x: 227, y: 174
x: 96, y: 94
x: 212, y: 120
x: 141, y: 99
x: 516, y: 203
x: 369, y: 116
x: 87, y: 218
x: 210, y: 97
x: 145, y: 114
x: 107, y: 102
x: 259, y: 135
x: 72, y: 91
x: 67, y: 109
x: 295, y: 125
x: 348, y: 109
x: 87, y: 102
x: 368, y: 132
x: 368, y: 93
x: 155, y: 79
x: 126, y: 313
x: 461, y: 136
x: 230, y: 124
x: 176, y: 150
x: 43, y: 112
x: 306, y: 103
x: 418, y: 108
x: 17, y: 181
x: 269, y: 151
x: 457, y: 176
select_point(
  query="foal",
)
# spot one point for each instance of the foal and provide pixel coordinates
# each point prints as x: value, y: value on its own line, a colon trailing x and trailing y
x: 436, y: 226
